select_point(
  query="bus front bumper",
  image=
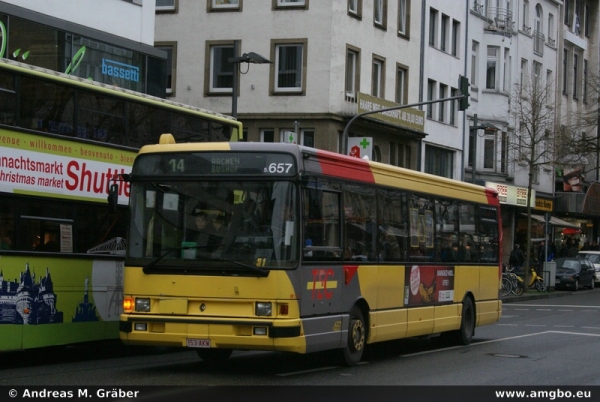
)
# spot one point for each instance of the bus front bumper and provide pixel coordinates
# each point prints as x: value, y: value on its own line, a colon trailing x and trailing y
x: 243, y: 334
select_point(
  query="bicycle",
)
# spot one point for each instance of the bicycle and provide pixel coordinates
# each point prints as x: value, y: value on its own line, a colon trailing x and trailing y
x: 511, y: 281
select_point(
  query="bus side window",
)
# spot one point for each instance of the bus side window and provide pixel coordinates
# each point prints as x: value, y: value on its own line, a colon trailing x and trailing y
x: 321, y: 224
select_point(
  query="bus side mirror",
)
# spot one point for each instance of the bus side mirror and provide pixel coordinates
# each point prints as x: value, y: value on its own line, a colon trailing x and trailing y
x: 113, y: 197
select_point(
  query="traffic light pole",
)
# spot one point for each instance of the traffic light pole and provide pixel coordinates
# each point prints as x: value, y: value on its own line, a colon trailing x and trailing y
x: 345, y: 134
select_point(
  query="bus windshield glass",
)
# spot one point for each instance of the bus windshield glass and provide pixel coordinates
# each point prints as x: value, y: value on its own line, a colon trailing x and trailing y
x: 221, y: 225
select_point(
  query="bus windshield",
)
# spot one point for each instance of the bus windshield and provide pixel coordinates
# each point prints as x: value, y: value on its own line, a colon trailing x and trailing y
x: 222, y: 225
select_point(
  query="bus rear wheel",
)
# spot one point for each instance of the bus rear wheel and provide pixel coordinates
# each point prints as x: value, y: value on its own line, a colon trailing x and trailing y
x: 214, y: 355
x: 357, y: 338
x: 464, y: 335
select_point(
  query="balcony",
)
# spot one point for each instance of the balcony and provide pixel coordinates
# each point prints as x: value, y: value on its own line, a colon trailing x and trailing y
x: 500, y: 19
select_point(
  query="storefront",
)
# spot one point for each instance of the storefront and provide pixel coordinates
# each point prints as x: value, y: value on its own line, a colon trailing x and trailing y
x: 58, y: 45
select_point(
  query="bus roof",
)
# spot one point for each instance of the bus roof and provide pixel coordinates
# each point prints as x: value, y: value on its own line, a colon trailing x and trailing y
x: 106, y: 88
x: 321, y: 162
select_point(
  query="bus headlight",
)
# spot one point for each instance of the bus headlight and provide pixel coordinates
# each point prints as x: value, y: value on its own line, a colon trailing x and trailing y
x: 142, y: 304
x: 264, y: 309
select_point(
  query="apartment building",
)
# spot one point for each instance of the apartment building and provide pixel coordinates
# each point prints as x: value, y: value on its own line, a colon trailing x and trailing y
x: 329, y: 60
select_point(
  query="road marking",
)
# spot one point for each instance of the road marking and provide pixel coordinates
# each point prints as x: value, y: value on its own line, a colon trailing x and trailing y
x: 510, y: 338
x: 307, y: 371
x: 534, y: 325
x: 553, y: 305
x: 543, y: 309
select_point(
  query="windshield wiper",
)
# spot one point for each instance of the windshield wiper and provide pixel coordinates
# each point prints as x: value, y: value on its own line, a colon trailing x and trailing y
x: 260, y: 271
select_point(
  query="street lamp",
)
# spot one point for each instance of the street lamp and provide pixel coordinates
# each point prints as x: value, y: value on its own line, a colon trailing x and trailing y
x: 251, y: 57
x: 473, y: 129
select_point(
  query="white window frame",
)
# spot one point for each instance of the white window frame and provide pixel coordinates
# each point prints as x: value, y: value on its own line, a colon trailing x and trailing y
x: 169, y: 7
x: 220, y: 4
x: 212, y: 87
x: 353, y: 7
x: 401, y: 84
x: 474, y: 57
x: 377, y: 77
x: 351, y: 79
x: 378, y: 12
x: 506, y: 80
x: 492, y: 64
x: 299, y: 67
x: 288, y: 3
x: 402, y: 17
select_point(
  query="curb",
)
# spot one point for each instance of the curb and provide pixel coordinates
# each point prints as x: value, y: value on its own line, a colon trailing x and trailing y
x: 534, y: 296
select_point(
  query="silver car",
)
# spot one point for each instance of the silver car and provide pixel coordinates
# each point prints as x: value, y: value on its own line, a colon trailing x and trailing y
x: 594, y: 258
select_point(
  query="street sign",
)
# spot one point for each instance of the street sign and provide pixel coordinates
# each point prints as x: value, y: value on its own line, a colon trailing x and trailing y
x: 359, y: 147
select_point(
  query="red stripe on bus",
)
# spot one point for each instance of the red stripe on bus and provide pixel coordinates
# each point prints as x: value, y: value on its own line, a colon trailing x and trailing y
x: 349, y: 272
x: 346, y: 167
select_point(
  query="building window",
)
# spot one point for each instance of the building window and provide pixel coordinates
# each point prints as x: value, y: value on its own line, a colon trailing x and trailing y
x: 433, y: 16
x: 504, y: 154
x: 378, y: 77
x: 290, y: 4
x: 307, y: 137
x: 166, y: 5
x: 225, y: 5
x: 290, y: 59
x: 565, y: 71
x: 455, y: 38
x: 403, y: 17
x: 550, y: 84
x: 267, y: 135
x: 171, y: 49
x: 444, y: 33
x: 525, y: 16
x: 401, y: 85
x: 453, y: 106
x: 352, y: 72
x: 380, y: 13
x: 442, y: 105
x: 551, y: 34
x: 355, y: 8
x: 400, y: 155
x: 506, y: 80
x: 575, y: 76
x: 523, y: 78
x: 430, y: 97
x: 585, y: 80
x: 221, y: 70
x: 492, y: 65
x: 537, y: 74
x: 474, y: 53
x: 489, y: 152
x: 438, y: 161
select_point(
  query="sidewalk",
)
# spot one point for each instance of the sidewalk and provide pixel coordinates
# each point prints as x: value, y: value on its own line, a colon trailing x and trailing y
x: 532, y: 294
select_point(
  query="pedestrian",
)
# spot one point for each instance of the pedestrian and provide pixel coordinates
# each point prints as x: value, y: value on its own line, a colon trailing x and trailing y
x: 517, y: 258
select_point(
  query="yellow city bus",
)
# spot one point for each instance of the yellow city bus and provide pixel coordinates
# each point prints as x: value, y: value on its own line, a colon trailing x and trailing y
x: 62, y: 139
x: 304, y: 250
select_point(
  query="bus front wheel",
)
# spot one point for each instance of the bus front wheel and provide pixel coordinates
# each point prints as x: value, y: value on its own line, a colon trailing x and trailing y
x: 357, y: 338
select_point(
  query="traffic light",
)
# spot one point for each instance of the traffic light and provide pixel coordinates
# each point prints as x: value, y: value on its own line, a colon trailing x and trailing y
x: 463, y: 85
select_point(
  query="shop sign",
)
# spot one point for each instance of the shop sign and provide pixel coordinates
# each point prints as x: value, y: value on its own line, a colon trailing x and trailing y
x: 512, y: 195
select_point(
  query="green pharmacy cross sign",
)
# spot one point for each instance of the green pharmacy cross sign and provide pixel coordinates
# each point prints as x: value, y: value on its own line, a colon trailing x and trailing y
x: 360, y: 147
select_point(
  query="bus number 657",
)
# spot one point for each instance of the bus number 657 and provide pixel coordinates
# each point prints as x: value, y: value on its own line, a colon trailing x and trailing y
x: 278, y: 168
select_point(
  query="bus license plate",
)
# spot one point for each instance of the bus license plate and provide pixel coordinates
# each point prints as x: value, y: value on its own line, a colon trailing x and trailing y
x: 198, y: 343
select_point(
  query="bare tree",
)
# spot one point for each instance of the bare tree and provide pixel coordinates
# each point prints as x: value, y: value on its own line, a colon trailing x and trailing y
x: 532, y: 108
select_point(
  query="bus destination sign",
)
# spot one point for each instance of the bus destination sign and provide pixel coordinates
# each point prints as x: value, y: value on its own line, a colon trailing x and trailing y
x: 215, y: 163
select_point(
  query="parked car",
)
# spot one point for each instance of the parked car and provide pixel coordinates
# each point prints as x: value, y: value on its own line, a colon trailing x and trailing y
x: 574, y: 272
x: 594, y: 257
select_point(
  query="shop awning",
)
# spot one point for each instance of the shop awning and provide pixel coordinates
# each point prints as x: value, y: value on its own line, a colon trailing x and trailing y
x: 554, y: 221
x: 570, y: 231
